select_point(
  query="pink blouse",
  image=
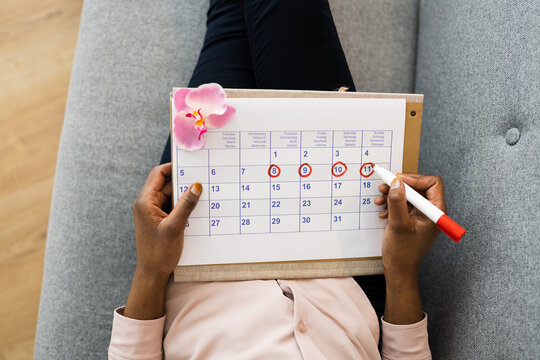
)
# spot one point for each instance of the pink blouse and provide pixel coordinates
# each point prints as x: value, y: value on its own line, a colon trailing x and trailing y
x: 266, y: 319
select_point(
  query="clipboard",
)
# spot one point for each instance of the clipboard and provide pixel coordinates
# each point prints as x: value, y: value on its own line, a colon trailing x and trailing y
x: 312, y: 268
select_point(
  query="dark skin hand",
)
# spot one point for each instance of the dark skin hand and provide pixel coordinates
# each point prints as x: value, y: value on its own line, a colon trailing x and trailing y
x: 160, y: 238
x: 408, y: 238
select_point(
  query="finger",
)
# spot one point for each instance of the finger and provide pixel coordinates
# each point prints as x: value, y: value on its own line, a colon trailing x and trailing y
x: 157, y: 179
x: 380, y: 200
x: 165, y: 197
x: 152, y: 192
x: 398, y: 212
x: 383, y: 214
x: 384, y: 188
x: 185, y: 205
x: 167, y: 189
x: 432, y: 186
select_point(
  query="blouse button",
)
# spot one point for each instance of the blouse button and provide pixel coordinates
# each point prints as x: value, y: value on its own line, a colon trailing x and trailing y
x: 301, y: 326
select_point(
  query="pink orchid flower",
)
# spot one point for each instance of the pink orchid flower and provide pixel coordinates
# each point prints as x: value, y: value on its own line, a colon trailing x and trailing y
x: 198, y: 110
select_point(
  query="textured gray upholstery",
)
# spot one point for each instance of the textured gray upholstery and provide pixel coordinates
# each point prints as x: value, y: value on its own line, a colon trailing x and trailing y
x: 129, y: 55
x: 479, y: 67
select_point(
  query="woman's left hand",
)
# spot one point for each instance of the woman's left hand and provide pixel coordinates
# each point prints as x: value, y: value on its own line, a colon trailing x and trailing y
x: 160, y: 240
x: 160, y: 236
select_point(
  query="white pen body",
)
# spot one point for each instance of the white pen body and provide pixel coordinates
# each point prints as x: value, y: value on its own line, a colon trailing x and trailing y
x: 419, y: 202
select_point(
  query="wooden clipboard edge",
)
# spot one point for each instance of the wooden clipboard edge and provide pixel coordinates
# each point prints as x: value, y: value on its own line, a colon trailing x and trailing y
x: 268, y: 93
x: 311, y: 268
x: 411, y: 144
x: 326, y: 268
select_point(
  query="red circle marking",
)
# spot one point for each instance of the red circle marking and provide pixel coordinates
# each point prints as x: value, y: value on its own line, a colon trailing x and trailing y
x: 300, y: 168
x: 372, y: 170
x: 334, y: 166
x: 270, y: 171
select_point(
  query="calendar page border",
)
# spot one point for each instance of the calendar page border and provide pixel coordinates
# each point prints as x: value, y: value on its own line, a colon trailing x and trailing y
x: 320, y: 268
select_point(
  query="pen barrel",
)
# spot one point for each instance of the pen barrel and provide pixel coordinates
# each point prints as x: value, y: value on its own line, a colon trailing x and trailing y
x: 384, y: 174
x: 419, y: 202
x: 423, y: 204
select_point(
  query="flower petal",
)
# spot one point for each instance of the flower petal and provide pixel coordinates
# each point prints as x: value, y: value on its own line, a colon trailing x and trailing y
x: 217, y: 121
x: 209, y: 98
x: 180, y: 100
x: 186, y: 133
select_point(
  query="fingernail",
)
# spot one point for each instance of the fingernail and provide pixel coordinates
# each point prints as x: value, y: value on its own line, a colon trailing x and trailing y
x: 396, y: 183
x: 196, y: 189
x: 383, y: 213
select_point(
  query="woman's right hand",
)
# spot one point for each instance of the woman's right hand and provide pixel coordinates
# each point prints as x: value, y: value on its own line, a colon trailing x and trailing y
x: 408, y: 237
x: 409, y: 234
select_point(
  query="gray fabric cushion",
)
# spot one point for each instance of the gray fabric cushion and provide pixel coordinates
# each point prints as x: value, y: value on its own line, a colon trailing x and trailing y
x: 479, y: 68
x: 129, y: 56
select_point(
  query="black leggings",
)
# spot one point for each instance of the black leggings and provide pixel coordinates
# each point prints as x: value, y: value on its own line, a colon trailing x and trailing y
x: 276, y: 44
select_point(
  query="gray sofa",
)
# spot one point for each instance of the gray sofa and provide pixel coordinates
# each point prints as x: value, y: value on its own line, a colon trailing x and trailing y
x: 478, y: 64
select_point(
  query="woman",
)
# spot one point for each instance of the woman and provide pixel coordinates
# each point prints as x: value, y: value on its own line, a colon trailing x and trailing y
x: 278, y: 44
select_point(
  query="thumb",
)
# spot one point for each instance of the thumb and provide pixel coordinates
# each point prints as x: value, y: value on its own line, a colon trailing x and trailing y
x: 398, y: 212
x: 179, y: 215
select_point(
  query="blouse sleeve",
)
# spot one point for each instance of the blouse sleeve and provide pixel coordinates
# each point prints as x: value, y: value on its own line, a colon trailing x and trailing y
x: 136, y: 339
x: 405, y: 341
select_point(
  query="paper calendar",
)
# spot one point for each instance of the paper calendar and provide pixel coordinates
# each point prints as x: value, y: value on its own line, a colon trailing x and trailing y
x: 290, y: 180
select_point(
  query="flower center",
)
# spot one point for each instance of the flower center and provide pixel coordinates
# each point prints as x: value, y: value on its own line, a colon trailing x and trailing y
x: 199, y: 121
x: 198, y: 118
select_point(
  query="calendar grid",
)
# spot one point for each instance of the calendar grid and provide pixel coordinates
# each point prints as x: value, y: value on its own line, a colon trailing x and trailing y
x: 239, y: 182
x: 294, y: 197
x: 300, y: 188
x: 311, y: 181
x: 353, y: 163
x: 332, y: 184
x: 391, y: 140
x: 293, y: 214
x: 360, y: 191
x: 306, y: 147
x: 209, y: 202
x: 270, y: 188
x: 235, y: 172
x: 283, y: 232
